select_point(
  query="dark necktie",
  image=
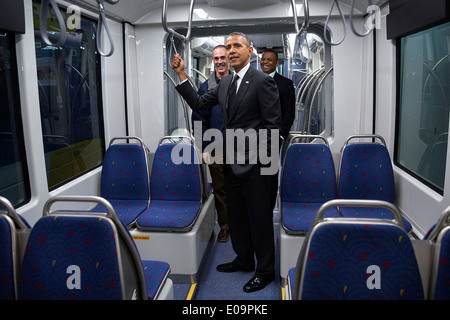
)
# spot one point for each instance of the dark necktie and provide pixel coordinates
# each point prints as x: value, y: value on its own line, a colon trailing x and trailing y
x: 232, y: 92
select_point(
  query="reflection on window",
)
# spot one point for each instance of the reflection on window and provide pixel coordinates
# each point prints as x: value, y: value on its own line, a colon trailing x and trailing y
x: 423, y: 114
x: 70, y: 100
x: 13, y: 174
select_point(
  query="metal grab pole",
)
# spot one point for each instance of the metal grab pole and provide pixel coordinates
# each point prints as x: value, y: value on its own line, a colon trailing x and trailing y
x: 308, y: 131
x: 173, y: 32
x: 183, y: 102
x: 305, y: 24
x: 303, y: 31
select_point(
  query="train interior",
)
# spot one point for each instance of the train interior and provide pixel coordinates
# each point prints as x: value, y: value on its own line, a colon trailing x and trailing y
x: 91, y: 116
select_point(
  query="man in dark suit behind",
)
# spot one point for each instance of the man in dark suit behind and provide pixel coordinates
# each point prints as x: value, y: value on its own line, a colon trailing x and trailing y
x: 269, y: 63
x: 212, y: 118
x: 256, y: 107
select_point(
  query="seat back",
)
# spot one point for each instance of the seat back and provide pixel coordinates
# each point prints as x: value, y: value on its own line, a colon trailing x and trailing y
x: 176, y: 173
x: 440, y: 273
x: 177, y: 188
x: 308, y: 173
x: 74, y: 255
x: 14, y: 231
x: 125, y: 171
x: 8, y: 267
x: 366, y: 172
x: 357, y: 259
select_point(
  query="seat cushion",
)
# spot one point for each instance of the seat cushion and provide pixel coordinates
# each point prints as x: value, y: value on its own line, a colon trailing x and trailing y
x: 126, y: 210
x: 169, y: 214
x: 298, y: 217
x: 155, y: 275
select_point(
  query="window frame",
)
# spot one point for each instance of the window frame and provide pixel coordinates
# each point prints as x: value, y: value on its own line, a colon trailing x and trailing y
x: 18, y: 119
x: 87, y: 16
x: 398, y: 89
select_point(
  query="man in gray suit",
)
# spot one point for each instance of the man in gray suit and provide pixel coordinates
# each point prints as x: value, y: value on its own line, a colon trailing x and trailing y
x: 250, y: 103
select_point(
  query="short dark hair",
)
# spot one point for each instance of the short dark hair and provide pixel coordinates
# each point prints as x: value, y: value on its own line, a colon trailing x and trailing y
x: 247, y: 38
x: 272, y: 51
x: 219, y: 46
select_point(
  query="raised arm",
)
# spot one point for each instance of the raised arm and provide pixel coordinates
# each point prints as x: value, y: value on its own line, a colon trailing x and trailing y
x: 178, y: 67
x: 208, y: 100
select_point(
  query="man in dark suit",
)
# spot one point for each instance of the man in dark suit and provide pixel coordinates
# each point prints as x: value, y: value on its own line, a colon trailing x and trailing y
x: 250, y: 103
x: 269, y: 63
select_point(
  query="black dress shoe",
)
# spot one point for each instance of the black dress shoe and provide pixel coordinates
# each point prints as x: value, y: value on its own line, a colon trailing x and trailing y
x: 257, y: 283
x: 233, y: 267
x: 223, y: 235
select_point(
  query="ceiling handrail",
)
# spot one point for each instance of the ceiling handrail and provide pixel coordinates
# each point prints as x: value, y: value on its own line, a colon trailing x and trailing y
x: 173, y: 32
x: 305, y: 24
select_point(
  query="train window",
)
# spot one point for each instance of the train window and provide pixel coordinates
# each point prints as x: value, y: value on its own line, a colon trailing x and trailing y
x: 70, y: 99
x: 13, y: 169
x: 423, y: 105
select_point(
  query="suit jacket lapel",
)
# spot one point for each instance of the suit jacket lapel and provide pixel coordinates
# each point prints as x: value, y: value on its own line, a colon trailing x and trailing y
x: 243, y: 87
x: 277, y: 78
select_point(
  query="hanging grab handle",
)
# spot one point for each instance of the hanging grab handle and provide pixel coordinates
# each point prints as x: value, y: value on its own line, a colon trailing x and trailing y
x: 173, y: 32
x: 43, y: 23
x: 305, y: 24
x: 102, y: 23
x: 344, y: 25
x: 351, y: 20
x: 303, y: 31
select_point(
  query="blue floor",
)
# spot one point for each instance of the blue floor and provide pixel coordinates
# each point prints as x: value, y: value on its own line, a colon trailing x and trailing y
x: 216, y: 285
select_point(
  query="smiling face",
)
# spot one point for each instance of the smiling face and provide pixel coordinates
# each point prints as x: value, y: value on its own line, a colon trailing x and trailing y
x: 238, y: 51
x: 269, y: 62
x: 220, y: 61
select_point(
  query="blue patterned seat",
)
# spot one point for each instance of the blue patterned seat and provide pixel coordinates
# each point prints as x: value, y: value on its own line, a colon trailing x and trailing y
x: 12, y: 228
x: 7, y: 285
x: 124, y: 180
x: 308, y: 180
x: 366, y: 173
x: 356, y: 259
x: 86, y: 256
x: 442, y: 265
x: 155, y: 274
x: 176, y: 190
x: 439, y: 235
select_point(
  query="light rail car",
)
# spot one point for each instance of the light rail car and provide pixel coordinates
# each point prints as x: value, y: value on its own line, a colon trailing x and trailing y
x: 103, y: 190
